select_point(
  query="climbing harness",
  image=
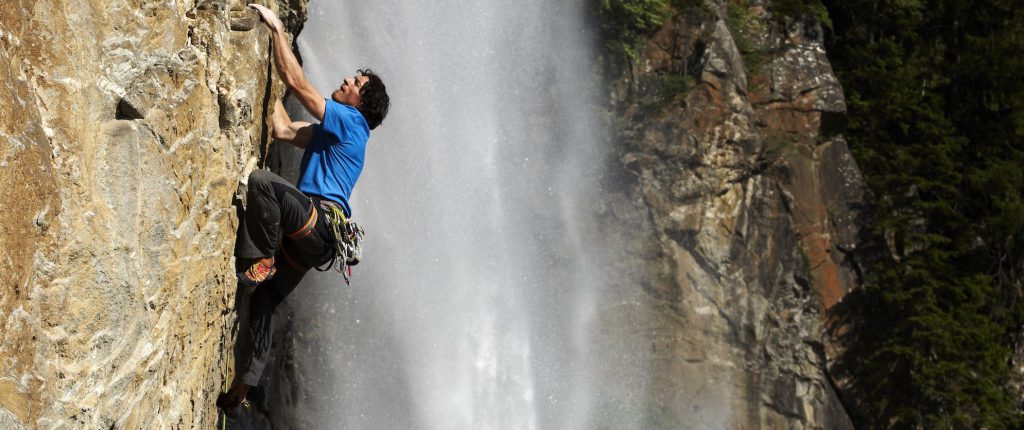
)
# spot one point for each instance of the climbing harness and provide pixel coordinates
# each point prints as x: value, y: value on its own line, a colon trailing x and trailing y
x: 348, y: 237
x: 348, y: 240
x: 306, y: 229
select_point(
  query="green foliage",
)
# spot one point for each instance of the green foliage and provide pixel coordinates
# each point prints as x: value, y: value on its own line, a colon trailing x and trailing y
x: 935, y: 109
x: 672, y: 86
x: 699, y: 8
x: 743, y: 27
x: 625, y: 22
x: 802, y: 8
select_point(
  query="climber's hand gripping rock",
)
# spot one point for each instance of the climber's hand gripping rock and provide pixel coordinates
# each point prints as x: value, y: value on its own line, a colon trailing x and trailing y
x: 269, y: 17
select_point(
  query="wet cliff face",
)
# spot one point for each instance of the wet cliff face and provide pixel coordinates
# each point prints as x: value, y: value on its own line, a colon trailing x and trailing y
x: 125, y: 128
x: 739, y: 189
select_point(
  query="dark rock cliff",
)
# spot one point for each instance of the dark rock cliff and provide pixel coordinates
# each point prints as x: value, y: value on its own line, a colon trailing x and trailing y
x: 739, y: 191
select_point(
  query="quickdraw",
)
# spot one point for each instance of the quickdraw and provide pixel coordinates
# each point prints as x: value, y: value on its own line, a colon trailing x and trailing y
x: 349, y: 238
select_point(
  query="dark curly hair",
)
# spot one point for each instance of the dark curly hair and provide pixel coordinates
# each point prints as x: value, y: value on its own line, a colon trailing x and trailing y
x: 373, y: 99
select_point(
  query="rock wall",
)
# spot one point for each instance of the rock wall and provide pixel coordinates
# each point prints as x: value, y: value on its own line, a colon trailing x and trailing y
x: 740, y: 191
x: 125, y: 128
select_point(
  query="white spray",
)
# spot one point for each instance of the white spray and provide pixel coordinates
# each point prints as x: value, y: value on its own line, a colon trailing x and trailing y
x: 474, y: 306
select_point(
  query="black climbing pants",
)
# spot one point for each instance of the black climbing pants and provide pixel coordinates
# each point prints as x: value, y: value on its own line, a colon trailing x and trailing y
x: 277, y: 216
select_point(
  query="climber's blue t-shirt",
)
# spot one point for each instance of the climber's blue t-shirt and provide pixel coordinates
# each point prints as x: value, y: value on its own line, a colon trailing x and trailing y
x: 334, y: 156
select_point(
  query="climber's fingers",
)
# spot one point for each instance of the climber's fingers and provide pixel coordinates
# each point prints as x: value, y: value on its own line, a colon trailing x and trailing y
x: 268, y: 16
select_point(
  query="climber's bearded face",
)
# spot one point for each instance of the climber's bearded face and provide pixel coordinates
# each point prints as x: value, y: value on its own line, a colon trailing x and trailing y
x: 348, y: 92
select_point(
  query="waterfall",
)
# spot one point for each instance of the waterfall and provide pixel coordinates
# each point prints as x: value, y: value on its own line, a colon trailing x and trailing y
x: 474, y: 307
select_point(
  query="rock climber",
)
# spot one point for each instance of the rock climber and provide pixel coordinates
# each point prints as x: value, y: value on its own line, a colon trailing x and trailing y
x: 287, y: 229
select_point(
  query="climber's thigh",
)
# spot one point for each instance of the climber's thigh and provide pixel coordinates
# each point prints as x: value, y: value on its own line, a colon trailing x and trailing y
x: 314, y: 249
x: 295, y: 207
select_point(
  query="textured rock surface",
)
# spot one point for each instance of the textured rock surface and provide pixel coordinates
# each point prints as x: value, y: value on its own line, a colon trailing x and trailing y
x: 125, y: 128
x: 740, y: 189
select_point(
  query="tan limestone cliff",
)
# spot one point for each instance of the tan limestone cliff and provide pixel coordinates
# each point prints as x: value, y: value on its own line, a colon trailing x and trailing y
x: 125, y: 128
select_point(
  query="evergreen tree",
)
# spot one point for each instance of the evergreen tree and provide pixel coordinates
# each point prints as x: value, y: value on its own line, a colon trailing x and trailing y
x: 934, y: 97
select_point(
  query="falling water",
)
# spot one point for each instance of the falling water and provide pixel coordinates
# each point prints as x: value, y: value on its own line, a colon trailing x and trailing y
x: 475, y: 305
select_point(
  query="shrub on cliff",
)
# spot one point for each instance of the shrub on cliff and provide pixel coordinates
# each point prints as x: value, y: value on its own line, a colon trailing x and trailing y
x: 625, y: 22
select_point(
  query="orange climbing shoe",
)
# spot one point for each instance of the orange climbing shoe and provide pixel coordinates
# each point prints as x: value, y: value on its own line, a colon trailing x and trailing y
x: 261, y: 270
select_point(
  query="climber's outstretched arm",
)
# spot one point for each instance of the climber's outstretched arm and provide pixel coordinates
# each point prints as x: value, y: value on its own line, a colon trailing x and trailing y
x: 288, y: 66
x: 297, y: 133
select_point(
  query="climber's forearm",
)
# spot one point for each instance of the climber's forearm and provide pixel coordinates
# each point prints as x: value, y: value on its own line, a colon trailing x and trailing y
x: 288, y: 66
x: 297, y: 133
x: 291, y: 73
x: 279, y: 117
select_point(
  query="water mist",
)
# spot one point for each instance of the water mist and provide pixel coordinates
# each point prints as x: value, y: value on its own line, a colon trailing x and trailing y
x: 475, y: 305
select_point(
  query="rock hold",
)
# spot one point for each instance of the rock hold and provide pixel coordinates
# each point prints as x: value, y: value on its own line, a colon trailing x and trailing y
x: 162, y: 83
x: 243, y: 20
